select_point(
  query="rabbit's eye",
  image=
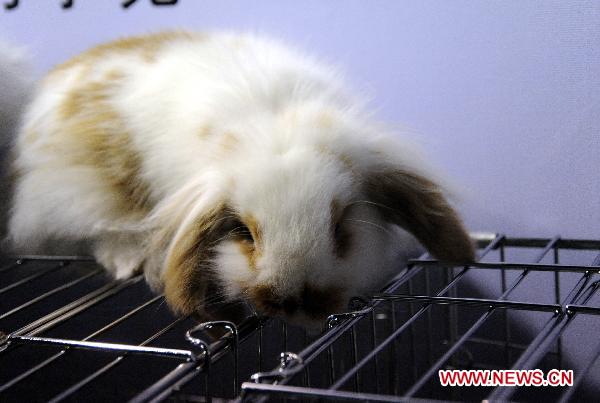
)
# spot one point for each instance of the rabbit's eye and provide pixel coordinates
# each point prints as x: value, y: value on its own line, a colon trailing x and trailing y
x: 237, y: 229
x: 243, y: 232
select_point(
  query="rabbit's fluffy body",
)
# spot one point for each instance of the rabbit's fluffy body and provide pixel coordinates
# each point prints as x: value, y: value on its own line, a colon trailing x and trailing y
x: 225, y: 158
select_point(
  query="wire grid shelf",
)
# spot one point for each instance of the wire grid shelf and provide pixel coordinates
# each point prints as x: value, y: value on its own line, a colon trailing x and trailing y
x: 72, y: 334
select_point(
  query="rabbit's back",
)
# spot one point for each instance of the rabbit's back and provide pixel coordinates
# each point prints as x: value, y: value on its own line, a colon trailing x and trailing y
x: 118, y: 128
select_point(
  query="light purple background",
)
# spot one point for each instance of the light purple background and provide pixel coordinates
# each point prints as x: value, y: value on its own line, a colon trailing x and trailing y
x: 504, y: 96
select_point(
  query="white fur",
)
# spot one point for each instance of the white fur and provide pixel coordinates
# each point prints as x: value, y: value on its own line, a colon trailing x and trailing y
x: 292, y: 120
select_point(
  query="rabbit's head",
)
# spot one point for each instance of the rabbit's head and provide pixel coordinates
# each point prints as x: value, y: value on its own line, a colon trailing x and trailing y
x: 298, y: 227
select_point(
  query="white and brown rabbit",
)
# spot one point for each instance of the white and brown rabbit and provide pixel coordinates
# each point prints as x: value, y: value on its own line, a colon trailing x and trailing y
x: 224, y: 158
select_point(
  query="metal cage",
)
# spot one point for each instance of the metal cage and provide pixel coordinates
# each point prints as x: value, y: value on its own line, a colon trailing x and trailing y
x: 72, y: 334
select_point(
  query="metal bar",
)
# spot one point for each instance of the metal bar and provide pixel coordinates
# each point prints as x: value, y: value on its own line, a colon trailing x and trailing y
x: 307, y: 378
x: 348, y: 319
x: 68, y: 392
x: 49, y: 293
x: 104, y: 347
x: 428, y: 319
x: 249, y: 388
x: 30, y: 371
x: 355, y: 357
x: 557, y: 301
x: 483, y: 318
x: 9, y: 266
x: 572, y: 309
x: 515, y: 266
x: 330, y: 369
x: 553, y: 328
x: 352, y: 317
x: 466, y: 301
x: 51, y: 359
x: 374, y: 335
x: 491, y: 303
x: 505, y: 312
x: 497, y: 241
x: 206, y: 355
x: 325, y: 342
x: 565, y: 243
x: 411, y: 335
x: 183, y: 373
x: 234, y: 339
x: 392, y: 337
x: 66, y: 258
x: 413, y: 268
x: 68, y: 311
x: 500, y: 239
x: 30, y: 278
x: 425, y: 378
x: 395, y: 373
x: 452, y: 317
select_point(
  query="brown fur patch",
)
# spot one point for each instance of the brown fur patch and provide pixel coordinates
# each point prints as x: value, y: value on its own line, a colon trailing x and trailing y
x: 204, y: 131
x: 266, y: 300
x: 418, y: 204
x: 228, y: 142
x: 146, y: 46
x: 343, y: 158
x: 254, y: 228
x: 251, y: 250
x: 184, y: 276
x: 95, y: 135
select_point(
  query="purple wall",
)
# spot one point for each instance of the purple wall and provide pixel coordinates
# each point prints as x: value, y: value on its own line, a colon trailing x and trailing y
x: 504, y: 96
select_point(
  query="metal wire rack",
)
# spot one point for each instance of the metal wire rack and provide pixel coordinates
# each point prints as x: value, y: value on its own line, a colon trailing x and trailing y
x: 72, y: 334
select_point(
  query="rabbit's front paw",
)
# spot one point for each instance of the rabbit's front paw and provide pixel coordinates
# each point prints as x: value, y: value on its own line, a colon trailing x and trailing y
x: 122, y: 257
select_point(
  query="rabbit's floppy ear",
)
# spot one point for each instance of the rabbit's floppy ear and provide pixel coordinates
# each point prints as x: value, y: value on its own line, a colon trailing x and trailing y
x: 396, y: 181
x: 185, y: 228
x: 189, y: 257
x: 417, y: 204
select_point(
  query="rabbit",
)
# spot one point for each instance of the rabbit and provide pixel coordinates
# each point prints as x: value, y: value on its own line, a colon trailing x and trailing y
x: 226, y: 159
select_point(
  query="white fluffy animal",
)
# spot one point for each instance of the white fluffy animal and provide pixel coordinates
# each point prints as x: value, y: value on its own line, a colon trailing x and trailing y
x: 225, y: 159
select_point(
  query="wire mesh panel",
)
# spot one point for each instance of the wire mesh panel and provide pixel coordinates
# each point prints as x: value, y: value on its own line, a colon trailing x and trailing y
x: 72, y: 334
x: 527, y: 304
